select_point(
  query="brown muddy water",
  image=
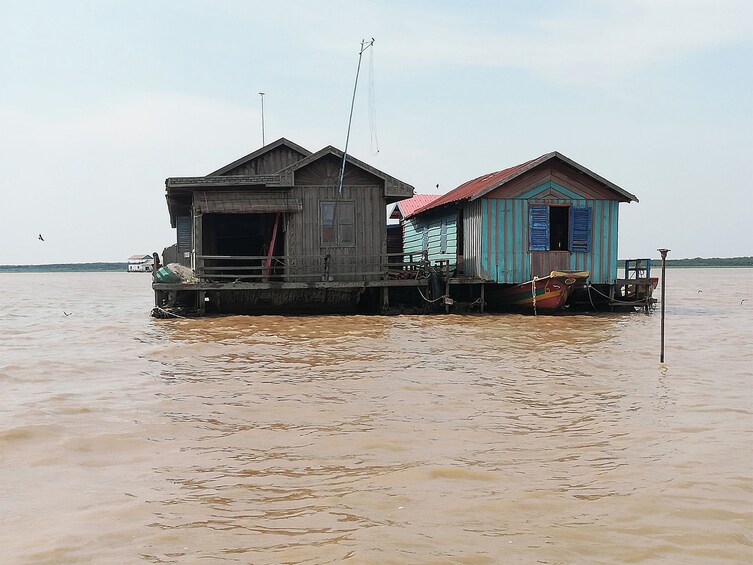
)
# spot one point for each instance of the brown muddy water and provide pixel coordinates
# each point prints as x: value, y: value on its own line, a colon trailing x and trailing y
x: 376, y: 440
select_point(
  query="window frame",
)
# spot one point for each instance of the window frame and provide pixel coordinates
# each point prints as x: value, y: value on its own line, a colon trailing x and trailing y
x: 579, y: 228
x: 337, y: 223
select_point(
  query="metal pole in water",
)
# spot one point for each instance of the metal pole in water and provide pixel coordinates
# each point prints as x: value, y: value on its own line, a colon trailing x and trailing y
x: 663, y: 295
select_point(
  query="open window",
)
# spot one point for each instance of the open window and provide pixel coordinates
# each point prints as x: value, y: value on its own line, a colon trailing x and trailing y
x: 559, y: 228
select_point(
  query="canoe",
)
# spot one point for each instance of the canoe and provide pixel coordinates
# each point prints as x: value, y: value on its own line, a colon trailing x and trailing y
x: 551, y: 292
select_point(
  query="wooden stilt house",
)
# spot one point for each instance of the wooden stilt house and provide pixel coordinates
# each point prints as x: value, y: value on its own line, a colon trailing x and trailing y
x: 272, y: 228
x: 547, y: 214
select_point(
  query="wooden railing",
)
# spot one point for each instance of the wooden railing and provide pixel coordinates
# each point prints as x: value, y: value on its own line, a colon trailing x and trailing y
x: 257, y: 268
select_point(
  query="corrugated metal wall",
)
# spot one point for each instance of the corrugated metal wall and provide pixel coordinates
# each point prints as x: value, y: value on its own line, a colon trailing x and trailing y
x: 442, y: 242
x: 505, y: 255
x: 472, y: 238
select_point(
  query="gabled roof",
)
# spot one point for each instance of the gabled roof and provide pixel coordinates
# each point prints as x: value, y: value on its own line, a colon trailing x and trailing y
x: 480, y: 186
x: 405, y: 208
x: 255, y: 154
x: 390, y: 182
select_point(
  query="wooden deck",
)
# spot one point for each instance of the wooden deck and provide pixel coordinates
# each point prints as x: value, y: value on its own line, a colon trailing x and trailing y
x: 306, y: 283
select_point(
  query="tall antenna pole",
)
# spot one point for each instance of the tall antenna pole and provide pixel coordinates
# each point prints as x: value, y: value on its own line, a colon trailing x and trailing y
x: 262, y: 118
x: 364, y: 47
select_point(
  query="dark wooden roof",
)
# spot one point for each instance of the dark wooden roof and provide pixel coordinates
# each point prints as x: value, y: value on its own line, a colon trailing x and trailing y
x: 394, y: 189
x: 259, y: 152
x: 178, y: 190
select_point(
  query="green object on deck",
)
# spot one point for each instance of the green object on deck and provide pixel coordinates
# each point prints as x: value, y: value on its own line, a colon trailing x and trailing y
x: 165, y: 275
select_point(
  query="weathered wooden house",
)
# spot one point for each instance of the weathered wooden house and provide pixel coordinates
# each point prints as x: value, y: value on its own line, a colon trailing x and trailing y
x: 272, y: 229
x: 547, y: 214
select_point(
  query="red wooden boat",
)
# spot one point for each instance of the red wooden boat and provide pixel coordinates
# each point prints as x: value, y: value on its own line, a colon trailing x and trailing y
x: 551, y: 292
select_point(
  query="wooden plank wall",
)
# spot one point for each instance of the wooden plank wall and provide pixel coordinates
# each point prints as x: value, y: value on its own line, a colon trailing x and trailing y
x: 304, y: 238
x: 317, y: 183
x: 268, y: 163
x: 413, y: 236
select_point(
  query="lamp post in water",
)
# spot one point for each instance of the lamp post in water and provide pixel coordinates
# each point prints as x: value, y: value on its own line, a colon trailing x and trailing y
x: 663, y: 295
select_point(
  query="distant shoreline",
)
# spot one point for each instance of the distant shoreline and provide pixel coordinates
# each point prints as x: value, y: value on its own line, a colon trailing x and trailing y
x: 708, y: 262
x: 713, y: 262
x: 65, y: 268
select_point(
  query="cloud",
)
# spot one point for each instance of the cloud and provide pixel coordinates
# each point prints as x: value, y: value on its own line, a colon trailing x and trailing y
x: 569, y: 43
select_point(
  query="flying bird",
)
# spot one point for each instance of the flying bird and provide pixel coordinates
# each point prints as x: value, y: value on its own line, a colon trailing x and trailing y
x: 67, y: 313
x: 40, y: 237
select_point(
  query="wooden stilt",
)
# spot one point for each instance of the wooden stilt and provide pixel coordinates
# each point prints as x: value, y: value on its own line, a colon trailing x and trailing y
x: 482, y: 298
x: 201, y: 302
x: 447, y: 294
x: 385, y: 299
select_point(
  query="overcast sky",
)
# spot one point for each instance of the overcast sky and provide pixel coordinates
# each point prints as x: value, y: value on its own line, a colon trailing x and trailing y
x: 100, y: 101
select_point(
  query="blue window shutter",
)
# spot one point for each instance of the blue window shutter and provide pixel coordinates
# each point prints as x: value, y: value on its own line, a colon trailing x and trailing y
x: 580, y: 229
x: 538, y: 220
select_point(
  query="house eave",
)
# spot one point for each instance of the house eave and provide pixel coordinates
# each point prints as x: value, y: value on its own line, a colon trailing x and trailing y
x: 204, y: 183
x: 624, y: 194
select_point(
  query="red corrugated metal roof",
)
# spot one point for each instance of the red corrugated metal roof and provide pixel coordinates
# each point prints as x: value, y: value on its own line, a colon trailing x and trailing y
x: 407, y: 207
x: 483, y: 184
x: 472, y: 187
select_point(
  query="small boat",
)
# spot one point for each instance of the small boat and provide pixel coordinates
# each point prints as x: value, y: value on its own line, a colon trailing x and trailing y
x: 551, y: 292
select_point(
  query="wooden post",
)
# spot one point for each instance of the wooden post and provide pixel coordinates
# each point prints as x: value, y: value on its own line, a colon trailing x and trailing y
x: 482, y: 298
x: 271, y: 250
x: 385, y: 299
x: 663, y: 295
x: 446, y: 293
x: 197, y: 263
x: 157, y: 265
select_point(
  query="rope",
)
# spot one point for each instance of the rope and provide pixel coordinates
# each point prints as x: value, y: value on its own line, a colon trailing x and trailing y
x: 590, y: 299
x: 589, y: 286
x: 170, y: 314
x: 427, y: 300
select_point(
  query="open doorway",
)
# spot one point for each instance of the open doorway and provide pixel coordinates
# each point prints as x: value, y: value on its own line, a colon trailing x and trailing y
x: 559, y: 228
x: 246, y: 236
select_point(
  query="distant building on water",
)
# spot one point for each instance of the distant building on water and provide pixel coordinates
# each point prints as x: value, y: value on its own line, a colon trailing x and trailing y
x: 140, y: 264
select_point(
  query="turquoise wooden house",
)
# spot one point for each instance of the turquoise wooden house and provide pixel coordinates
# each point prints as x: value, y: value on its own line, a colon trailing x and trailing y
x: 547, y: 214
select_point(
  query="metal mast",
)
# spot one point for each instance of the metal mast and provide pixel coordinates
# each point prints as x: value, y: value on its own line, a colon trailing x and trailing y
x: 364, y: 47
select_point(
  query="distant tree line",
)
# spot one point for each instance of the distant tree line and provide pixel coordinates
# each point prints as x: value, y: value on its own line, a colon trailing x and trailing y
x: 64, y: 268
x: 709, y: 262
